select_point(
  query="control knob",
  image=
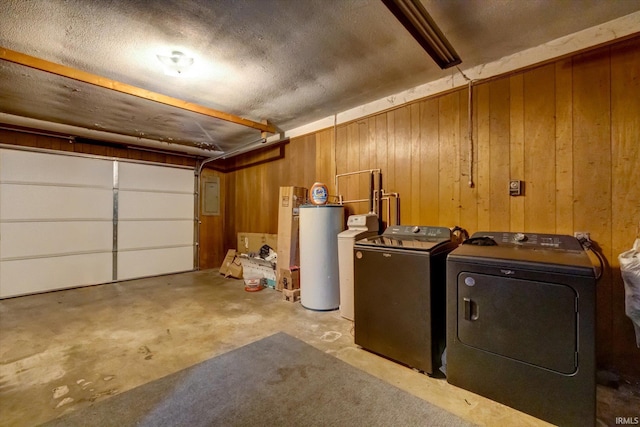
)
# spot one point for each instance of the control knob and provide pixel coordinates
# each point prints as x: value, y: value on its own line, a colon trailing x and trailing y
x: 520, y: 237
x: 415, y: 230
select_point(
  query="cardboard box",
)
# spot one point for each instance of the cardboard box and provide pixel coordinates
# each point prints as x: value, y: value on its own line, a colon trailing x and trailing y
x: 291, y: 295
x: 290, y: 199
x: 231, y: 266
x: 288, y: 278
x: 252, y: 242
x: 259, y: 268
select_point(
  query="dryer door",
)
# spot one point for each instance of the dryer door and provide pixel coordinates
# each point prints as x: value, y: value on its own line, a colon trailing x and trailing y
x: 532, y: 322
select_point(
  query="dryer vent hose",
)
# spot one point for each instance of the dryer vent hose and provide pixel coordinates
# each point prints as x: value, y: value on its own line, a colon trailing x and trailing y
x: 459, y: 234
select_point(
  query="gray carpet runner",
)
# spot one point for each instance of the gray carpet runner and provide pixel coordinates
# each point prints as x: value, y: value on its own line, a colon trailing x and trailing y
x: 276, y: 381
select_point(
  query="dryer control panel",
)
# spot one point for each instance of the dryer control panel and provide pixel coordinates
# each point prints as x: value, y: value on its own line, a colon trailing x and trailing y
x: 533, y: 240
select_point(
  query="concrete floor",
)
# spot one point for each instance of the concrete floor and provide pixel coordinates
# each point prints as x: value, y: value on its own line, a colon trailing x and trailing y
x: 63, y: 351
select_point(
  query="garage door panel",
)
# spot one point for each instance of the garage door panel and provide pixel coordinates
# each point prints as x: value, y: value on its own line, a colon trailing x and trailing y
x: 152, y: 234
x: 23, y: 277
x: 139, y: 205
x: 35, y: 202
x: 155, y: 220
x: 30, y: 167
x: 132, y: 264
x: 26, y: 239
x: 133, y: 176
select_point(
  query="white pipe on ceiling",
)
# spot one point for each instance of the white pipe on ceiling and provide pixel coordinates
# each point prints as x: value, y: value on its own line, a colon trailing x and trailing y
x: 103, y: 136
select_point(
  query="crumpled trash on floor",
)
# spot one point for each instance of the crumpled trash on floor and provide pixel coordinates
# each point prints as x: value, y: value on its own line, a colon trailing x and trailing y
x: 630, y: 269
x: 266, y: 252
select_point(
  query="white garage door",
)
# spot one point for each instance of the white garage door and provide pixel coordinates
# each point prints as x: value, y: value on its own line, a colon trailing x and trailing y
x: 60, y: 228
x: 155, y: 220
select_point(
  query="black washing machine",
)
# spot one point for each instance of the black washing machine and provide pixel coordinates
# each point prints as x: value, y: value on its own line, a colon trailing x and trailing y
x: 521, y: 324
x: 399, y: 294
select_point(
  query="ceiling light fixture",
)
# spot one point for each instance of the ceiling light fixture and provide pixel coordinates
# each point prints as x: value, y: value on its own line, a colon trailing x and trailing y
x: 416, y: 19
x: 176, y: 63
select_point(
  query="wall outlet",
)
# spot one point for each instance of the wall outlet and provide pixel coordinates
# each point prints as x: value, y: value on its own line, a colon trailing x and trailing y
x: 582, y: 235
x: 516, y: 187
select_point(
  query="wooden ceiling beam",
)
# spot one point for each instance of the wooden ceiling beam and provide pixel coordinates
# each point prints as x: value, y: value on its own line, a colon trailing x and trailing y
x: 93, y: 79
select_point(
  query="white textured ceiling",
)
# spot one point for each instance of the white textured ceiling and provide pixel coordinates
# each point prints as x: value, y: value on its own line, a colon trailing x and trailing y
x: 291, y: 62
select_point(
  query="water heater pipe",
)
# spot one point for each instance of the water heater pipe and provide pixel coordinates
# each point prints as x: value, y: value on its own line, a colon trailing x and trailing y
x: 370, y: 198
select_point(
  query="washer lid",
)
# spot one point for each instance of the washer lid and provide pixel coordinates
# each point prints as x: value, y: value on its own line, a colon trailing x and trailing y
x: 414, y: 237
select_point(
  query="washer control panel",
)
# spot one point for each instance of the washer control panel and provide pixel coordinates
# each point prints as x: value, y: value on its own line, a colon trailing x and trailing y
x: 418, y: 232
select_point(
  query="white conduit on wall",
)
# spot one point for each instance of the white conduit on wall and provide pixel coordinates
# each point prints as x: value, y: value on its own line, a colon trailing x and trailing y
x: 470, y: 132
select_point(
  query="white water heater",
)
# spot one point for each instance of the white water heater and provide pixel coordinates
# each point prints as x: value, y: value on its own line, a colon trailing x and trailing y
x: 319, y: 277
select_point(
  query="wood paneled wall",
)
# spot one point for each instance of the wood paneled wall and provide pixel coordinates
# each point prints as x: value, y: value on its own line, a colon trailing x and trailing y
x: 254, y: 182
x: 211, y: 240
x: 569, y: 129
x: 16, y: 137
